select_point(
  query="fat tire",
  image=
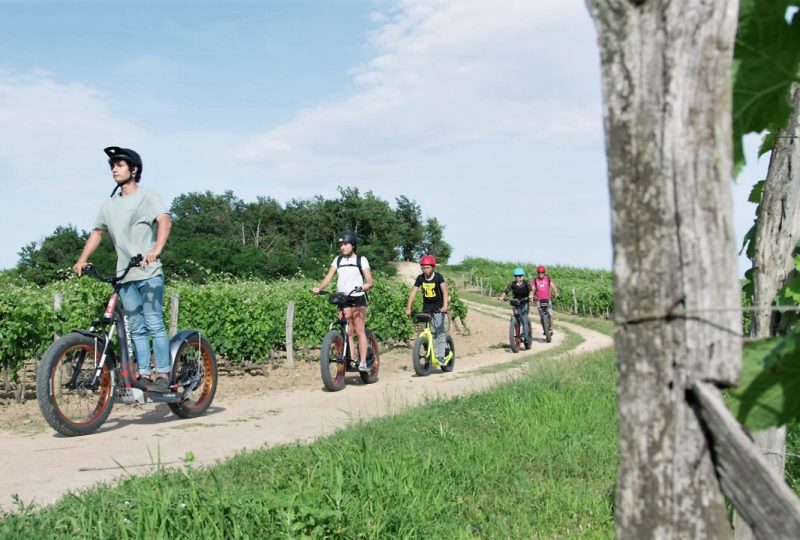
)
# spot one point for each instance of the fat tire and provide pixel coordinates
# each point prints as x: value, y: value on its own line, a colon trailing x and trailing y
x: 371, y: 376
x: 422, y: 365
x: 451, y: 347
x: 513, y: 335
x: 332, y: 382
x: 548, y: 334
x: 529, y: 340
x: 48, y: 389
x: 191, y: 408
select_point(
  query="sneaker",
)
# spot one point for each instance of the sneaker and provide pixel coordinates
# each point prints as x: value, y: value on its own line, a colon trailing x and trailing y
x: 161, y: 384
x: 363, y: 366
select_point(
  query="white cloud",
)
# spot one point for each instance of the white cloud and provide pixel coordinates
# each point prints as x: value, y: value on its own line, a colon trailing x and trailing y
x: 449, y: 73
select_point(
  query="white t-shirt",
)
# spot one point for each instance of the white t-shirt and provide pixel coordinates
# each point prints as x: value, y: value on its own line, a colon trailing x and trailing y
x: 347, y: 275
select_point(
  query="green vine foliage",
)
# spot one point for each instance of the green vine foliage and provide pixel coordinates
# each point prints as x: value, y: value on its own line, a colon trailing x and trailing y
x: 593, y: 288
x: 244, y: 320
x: 766, y: 58
x: 766, y: 61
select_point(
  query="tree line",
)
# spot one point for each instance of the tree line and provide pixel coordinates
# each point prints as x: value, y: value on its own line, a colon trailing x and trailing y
x: 221, y: 233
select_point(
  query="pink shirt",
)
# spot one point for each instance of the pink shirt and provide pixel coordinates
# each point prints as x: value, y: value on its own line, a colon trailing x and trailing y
x: 542, y: 287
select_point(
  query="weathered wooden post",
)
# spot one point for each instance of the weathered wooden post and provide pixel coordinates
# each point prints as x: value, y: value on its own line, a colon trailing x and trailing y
x: 666, y: 72
x: 574, y: 302
x: 174, y: 305
x: 290, y: 334
x: 58, y: 300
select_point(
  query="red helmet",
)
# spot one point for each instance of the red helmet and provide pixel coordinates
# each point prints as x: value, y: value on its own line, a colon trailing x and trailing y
x: 541, y: 269
x: 427, y: 260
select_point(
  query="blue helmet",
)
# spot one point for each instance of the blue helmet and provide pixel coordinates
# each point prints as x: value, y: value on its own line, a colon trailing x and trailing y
x: 519, y: 271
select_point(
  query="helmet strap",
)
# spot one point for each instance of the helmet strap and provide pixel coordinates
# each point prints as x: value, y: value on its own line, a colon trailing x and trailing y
x: 119, y: 186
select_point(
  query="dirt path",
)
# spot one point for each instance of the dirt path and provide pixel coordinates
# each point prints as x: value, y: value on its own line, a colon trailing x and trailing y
x: 40, y: 466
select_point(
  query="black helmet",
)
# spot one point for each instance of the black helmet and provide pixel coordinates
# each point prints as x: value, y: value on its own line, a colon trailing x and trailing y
x: 130, y: 156
x: 348, y: 238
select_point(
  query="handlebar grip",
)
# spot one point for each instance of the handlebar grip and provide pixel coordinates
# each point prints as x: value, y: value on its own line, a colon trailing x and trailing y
x: 87, y: 268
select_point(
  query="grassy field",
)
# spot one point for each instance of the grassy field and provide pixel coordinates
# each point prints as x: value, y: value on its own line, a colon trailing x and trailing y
x: 532, y: 458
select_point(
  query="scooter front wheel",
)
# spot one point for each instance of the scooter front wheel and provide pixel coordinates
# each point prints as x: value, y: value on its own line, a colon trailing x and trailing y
x: 331, y: 366
x: 68, y: 400
x: 195, y: 364
x: 420, y: 357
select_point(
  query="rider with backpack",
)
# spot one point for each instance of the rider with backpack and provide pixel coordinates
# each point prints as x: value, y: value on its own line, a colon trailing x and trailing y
x: 435, y: 300
x: 352, y: 271
x: 521, y: 290
x: 542, y: 284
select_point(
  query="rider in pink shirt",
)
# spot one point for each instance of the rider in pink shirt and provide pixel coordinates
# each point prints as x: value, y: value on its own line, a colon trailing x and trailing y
x: 542, y: 284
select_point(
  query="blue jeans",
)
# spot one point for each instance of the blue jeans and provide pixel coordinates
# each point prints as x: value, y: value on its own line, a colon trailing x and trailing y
x: 524, y: 315
x: 143, y: 303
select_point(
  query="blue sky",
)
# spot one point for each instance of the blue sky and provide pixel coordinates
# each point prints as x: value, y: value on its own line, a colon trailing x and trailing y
x: 488, y: 114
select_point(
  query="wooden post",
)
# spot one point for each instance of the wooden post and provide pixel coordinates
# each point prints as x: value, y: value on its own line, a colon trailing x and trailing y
x: 289, y: 334
x: 480, y: 284
x: 58, y: 299
x: 574, y: 301
x: 666, y: 71
x: 174, y: 306
x: 20, y: 391
x: 490, y: 290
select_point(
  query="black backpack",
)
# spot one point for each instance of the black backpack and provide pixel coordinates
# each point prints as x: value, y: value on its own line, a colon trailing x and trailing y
x: 358, y: 264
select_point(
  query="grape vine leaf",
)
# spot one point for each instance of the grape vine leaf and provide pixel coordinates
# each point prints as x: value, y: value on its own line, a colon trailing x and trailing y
x: 766, y: 57
x: 769, y: 393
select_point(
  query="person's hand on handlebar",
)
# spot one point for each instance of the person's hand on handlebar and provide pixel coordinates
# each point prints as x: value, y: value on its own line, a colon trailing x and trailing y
x: 316, y: 290
x: 150, y: 257
x: 78, y: 268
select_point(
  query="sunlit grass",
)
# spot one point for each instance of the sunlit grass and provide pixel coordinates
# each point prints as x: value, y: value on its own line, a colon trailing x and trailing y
x: 529, y: 459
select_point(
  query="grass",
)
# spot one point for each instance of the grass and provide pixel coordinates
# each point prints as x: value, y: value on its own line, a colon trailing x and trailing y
x: 535, y: 458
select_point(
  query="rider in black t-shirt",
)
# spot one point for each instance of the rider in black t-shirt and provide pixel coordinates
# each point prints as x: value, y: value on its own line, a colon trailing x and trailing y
x: 521, y: 289
x: 435, y: 300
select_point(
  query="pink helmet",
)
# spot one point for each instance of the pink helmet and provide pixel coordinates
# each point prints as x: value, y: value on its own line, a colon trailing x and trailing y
x: 427, y: 260
x: 541, y: 269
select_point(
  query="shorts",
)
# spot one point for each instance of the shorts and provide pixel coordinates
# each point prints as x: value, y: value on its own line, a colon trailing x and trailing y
x: 357, y: 301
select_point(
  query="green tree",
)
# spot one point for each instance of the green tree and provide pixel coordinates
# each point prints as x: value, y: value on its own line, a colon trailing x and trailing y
x: 434, y: 243
x: 52, y: 258
x: 411, y: 231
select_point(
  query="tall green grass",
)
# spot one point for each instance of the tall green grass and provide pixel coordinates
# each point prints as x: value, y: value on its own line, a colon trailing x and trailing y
x: 529, y: 459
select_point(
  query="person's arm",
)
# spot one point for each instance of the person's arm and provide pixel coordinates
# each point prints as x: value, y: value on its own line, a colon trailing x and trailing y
x: 445, y: 297
x: 367, y: 279
x: 411, y: 296
x: 92, y: 243
x: 164, y: 226
x: 553, y: 285
x: 504, y: 294
x: 324, y: 283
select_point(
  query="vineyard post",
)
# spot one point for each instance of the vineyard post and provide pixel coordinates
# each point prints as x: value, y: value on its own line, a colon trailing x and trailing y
x: 490, y: 290
x: 289, y: 334
x: 480, y: 284
x: 666, y: 69
x: 574, y: 301
x: 20, y: 390
x: 58, y: 299
x: 174, y: 305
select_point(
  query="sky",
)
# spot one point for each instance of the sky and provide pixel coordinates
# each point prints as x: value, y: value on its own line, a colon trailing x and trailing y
x: 488, y: 114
